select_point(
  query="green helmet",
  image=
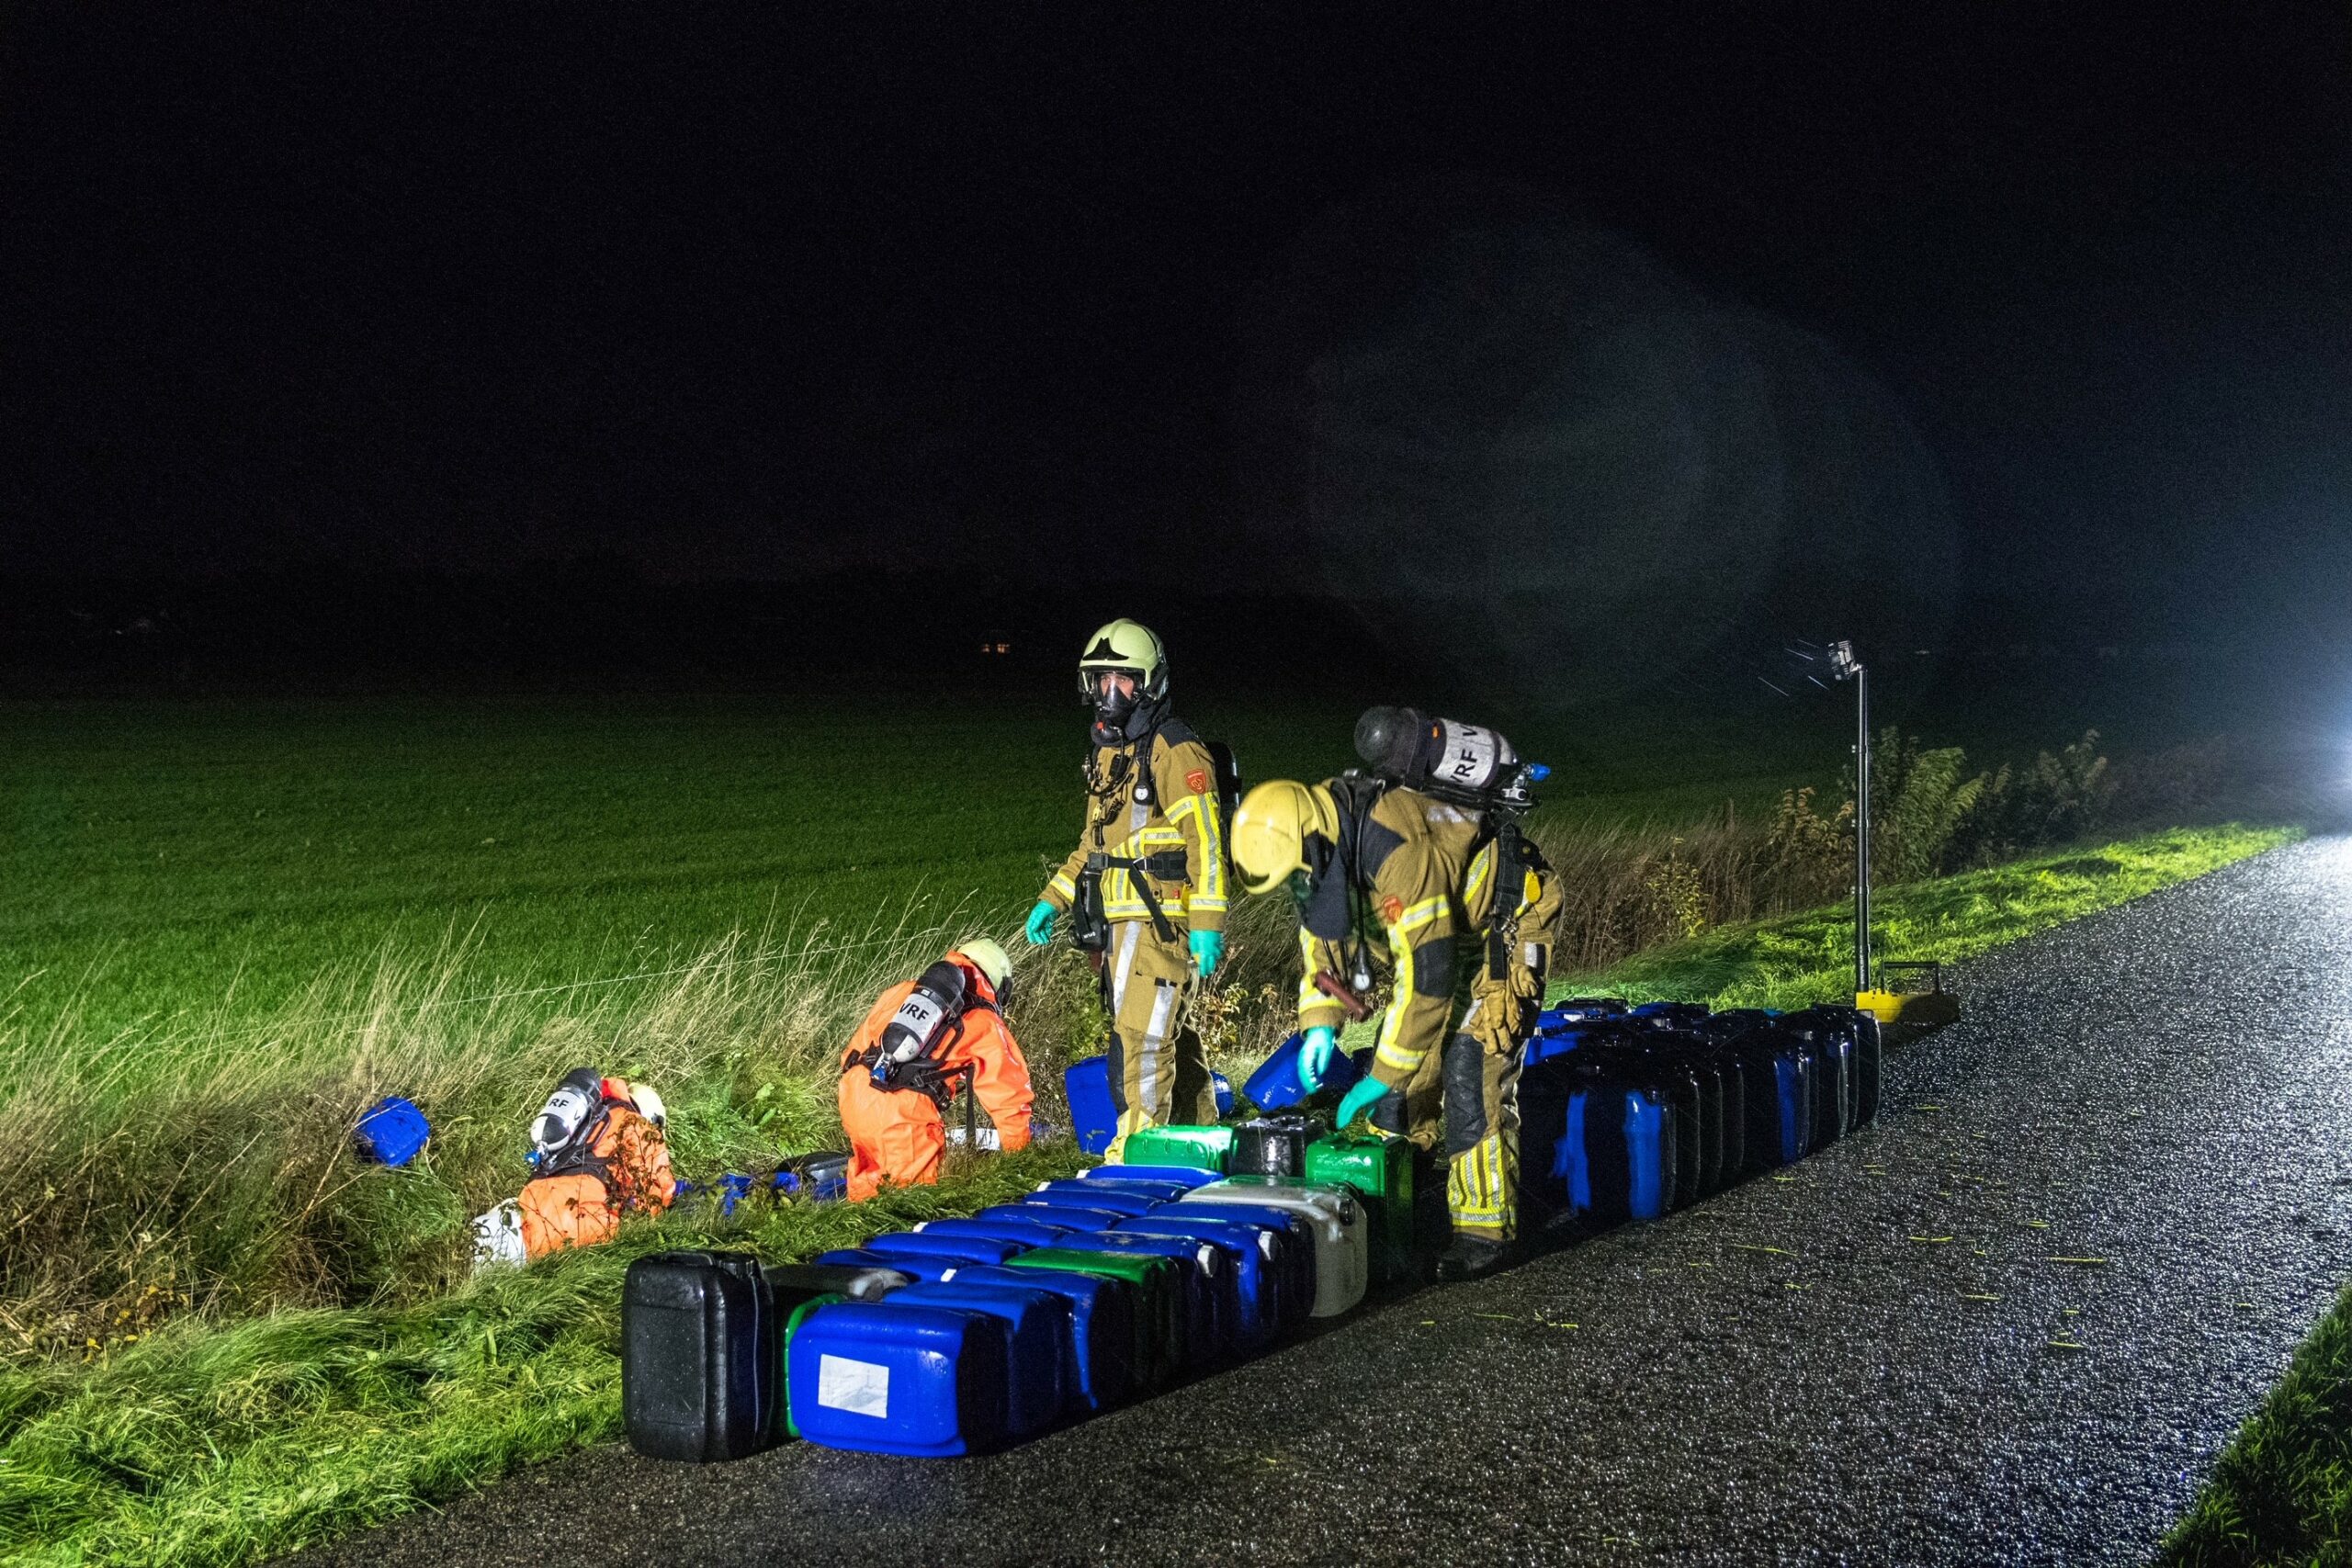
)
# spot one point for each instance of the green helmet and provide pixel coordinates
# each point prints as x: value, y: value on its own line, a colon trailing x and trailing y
x: 1129, y: 647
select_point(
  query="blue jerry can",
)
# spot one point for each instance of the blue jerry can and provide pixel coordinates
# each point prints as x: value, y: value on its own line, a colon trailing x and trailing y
x: 1291, y: 1248
x: 948, y: 1248
x: 1277, y: 1084
x: 1571, y: 1011
x: 1058, y: 1209
x: 1221, y: 1087
x: 1093, y: 1195
x: 1102, y: 1325
x: 1127, y: 1180
x: 1209, y: 1306
x: 1263, y: 1279
x: 1039, y: 1371
x: 1184, y: 1176
x: 393, y: 1132
x: 904, y: 1262
x: 1793, y: 1078
x: 1023, y: 1232
x: 874, y: 1378
x: 1093, y: 1120
x: 1542, y: 1047
x: 1612, y: 1140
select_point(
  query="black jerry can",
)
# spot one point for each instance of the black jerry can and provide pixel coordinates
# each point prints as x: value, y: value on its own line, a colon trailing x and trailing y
x: 1830, y: 1052
x: 1691, y: 1063
x: 699, y: 1336
x: 1860, y: 1031
x: 1680, y: 1087
x: 1731, y: 1085
x: 1867, y: 1045
x: 793, y: 1283
x: 1272, y: 1146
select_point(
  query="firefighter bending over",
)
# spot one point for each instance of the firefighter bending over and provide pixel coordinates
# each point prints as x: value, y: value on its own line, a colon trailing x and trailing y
x: 1144, y: 888
x: 1431, y: 882
x: 921, y: 1041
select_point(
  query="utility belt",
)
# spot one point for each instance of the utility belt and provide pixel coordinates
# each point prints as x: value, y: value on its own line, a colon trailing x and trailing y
x: 1091, y: 928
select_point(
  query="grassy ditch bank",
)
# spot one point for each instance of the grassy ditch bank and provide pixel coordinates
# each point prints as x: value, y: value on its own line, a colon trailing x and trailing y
x: 210, y: 1442
x: 2281, y: 1492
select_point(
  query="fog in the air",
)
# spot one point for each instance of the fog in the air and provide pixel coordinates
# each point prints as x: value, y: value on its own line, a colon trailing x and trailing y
x: 1535, y: 449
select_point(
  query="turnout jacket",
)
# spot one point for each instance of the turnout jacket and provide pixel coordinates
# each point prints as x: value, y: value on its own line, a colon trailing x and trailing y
x: 1411, y: 890
x: 1179, y: 827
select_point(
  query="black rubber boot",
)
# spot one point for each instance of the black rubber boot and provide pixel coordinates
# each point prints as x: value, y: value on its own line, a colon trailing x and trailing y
x: 1471, y: 1257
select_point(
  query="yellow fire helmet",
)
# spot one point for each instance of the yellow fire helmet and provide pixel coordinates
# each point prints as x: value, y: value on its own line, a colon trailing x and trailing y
x: 988, y: 956
x: 1270, y: 828
x: 1128, y: 646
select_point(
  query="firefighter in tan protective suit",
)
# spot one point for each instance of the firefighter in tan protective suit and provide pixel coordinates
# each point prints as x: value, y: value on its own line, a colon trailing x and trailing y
x: 1458, y: 908
x: 1145, y: 889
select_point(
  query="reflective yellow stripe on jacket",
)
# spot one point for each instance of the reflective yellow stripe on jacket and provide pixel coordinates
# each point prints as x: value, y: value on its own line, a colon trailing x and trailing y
x: 1411, y: 988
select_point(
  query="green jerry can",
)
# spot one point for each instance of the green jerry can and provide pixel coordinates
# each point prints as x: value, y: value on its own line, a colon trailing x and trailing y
x: 783, y: 1351
x: 1206, y: 1148
x: 1160, y: 1302
x: 1381, y: 1168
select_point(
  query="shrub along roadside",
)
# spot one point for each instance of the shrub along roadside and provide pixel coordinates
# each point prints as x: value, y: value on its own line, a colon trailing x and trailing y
x: 2282, y: 1491
x: 207, y: 1444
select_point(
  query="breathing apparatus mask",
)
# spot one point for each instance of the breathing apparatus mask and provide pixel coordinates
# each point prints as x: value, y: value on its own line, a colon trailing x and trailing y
x: 1123, y: 710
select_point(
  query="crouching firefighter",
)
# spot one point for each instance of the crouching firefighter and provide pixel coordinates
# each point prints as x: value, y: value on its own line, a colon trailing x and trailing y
x: 599, y: 1148
x: 926, y: 1039
x: 1144, y: 888
x: 1418, y: 869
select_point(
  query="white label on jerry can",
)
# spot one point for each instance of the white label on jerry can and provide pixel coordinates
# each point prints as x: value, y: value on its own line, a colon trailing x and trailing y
x: 861, y: 1388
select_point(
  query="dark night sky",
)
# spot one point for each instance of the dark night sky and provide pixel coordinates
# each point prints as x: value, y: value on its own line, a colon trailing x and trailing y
x: 764, y: 290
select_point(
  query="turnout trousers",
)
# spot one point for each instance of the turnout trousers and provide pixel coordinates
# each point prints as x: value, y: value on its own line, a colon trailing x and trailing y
x: 1159, y: 1070
x: 1467, y: 1093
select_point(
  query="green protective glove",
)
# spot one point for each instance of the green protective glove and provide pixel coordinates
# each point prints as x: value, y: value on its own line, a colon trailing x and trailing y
x: 1315, y: 1053
x: 1208, y: 952
x: 1041, y: 922
x: 1361, y: 1098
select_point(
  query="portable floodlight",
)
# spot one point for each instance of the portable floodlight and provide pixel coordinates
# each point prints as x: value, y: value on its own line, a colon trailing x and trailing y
x: 1810, y: 664
x: 1844, y: 666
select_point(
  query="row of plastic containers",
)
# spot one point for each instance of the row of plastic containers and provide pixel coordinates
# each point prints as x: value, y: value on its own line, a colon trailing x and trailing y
x: 1628, y: 1113
x: 963, y: 1334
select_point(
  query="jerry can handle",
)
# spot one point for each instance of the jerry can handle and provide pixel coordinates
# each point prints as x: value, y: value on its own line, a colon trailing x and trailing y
x: 1934, y: 967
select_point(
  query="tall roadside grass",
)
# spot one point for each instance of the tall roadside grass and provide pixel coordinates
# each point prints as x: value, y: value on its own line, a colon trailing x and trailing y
x: 205, y: 1165
x: 168, y: 1171
x: 208, y: 1444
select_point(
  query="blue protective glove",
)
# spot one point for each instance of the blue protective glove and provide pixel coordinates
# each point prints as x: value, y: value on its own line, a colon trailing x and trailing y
x: 1361, y: 1098
x: 1208, y: 952
x: 1315, y: 1053
x: 1041, y: 922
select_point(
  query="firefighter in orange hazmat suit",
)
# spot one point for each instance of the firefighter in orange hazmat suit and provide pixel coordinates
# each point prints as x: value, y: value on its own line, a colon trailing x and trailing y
x: 925, y: 1038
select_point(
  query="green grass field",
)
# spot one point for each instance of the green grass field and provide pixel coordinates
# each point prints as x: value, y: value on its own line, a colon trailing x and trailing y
x: 211, y: 860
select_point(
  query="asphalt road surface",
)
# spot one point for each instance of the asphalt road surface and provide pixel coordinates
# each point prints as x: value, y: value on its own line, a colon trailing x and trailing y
x: 1882, y: 1355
